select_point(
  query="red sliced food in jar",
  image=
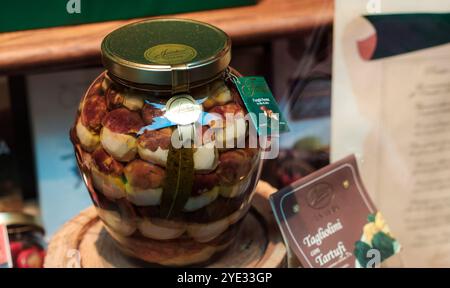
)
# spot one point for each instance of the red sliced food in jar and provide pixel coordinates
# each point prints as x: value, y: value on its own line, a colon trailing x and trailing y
x: 125, y: 209
x: 204, y: 183
x: 234, y: 165
x: 123, y: 121
x: 121, y: 206
x: 217, y: 210
x: 251, y: 153
x: 96, y: 88
x: 121, y: 218
x: 144, y: 175
x: 84, y: 158
x: 154, y: 212
x: 93, y: 112
x: 231, y: 108
x: 114, y: 98
x: 147, y: 211
x: 105, y: 203
x: 149, y: 113
x: 151, y: 140
x: 105, y: 163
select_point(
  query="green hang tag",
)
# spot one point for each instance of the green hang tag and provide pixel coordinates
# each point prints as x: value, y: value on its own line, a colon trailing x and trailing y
x: 261, y: 105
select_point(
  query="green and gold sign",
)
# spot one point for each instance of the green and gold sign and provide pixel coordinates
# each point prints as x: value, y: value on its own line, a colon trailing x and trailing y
x: 261, y: 105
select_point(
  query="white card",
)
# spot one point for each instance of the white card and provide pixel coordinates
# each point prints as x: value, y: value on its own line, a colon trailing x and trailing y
x: 392, y: 113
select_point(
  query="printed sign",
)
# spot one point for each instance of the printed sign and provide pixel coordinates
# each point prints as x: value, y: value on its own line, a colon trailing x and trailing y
x: 328, y: 220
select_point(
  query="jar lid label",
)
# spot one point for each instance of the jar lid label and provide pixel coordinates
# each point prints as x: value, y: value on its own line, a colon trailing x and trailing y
x: 183, y: 109
x: 170, y: 54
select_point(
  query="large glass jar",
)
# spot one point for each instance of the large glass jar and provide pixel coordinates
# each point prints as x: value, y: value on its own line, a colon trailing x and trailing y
x: 163, y: 144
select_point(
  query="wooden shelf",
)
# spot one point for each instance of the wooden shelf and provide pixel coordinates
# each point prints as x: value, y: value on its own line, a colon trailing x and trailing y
x: 74, y: 46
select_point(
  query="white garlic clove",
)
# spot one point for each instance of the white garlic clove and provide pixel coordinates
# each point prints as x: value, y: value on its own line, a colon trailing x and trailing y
x: 120, y: 146
x: 197, y: 202
x: 88, y: 140
x: 161, y: 229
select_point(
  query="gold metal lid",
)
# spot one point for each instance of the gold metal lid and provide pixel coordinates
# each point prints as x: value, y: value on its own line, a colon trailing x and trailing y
x: 166, y: 52
x: 19, y: 219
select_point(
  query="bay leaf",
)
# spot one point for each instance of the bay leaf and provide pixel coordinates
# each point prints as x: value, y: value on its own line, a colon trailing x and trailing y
x: 179, y: 181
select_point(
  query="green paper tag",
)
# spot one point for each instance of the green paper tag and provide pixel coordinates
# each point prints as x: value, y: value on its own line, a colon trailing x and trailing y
x: 264, y: 111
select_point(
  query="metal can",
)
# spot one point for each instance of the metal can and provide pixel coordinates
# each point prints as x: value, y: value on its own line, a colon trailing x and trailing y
x: 26, y: 239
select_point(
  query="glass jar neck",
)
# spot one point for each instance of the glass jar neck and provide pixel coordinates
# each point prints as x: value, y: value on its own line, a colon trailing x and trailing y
x: 169, y: 89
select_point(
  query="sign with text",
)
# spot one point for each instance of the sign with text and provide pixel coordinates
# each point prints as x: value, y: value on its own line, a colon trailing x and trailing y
x: 390, y: 99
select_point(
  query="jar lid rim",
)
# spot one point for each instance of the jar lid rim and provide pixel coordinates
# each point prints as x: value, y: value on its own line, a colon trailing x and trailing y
x: 166, y: 51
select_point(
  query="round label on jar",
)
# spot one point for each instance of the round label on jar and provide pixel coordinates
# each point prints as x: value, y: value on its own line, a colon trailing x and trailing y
x: 170, y: 54
x: 183, y: 110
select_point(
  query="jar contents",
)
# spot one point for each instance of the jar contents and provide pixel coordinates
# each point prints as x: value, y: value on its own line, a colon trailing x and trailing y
x: 163, y: 144
x: 123, y: 144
